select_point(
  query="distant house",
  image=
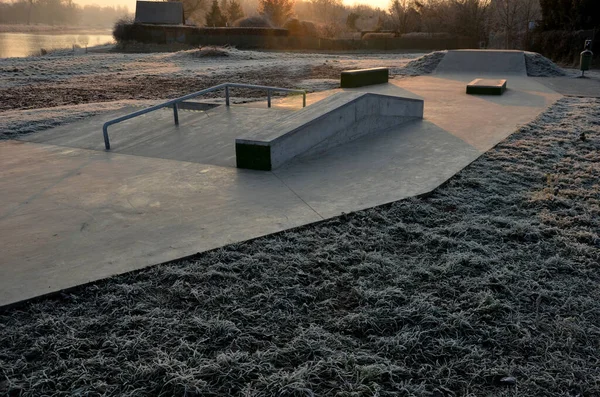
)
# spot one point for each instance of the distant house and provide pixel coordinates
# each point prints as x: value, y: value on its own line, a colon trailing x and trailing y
x: 159, y: 13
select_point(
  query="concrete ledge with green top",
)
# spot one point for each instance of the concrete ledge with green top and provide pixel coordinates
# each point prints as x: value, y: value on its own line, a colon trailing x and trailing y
x: 364, y: 77
x: 486, y: 87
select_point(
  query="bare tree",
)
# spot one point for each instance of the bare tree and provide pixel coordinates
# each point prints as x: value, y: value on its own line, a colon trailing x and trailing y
x: 278, y: 11
x: 512, y: 17
x: 234, y: 11
x: 471, y: 17
x: 326, y: 10
x: 400, y: 11
x: 29, y: 11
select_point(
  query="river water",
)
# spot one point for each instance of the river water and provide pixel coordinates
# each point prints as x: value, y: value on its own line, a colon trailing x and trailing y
x: 25, y: 44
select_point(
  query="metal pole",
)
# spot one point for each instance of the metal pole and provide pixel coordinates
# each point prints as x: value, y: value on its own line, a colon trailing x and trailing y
x: 175, y: 114
x: 268, y: 98
x: 106, y: 141
x: 304, y: 100
x: 226, y: 95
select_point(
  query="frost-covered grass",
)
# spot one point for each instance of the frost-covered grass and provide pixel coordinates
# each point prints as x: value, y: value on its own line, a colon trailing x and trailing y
x: 16, y: 123
x: 189, y: 64
x: 62, y: 79
x: 495, y: 274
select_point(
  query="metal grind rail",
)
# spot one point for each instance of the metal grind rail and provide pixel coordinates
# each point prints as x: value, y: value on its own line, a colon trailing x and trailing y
x: 173, y: 103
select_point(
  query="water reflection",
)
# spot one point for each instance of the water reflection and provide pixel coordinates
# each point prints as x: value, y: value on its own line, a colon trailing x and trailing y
x: 25, y: 44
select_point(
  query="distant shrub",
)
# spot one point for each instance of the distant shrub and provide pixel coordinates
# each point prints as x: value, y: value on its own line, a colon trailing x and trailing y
x: 122, y: 28
x: 212, y: 52
x: 310, y: 28
x: 562, y: 46
x: 424, y: 35
x: 294, y: 26
x: 255, y: 21
x: 371, y: 36
x: 237, y: 31
x: 300, y: 28
x: 331, y: 30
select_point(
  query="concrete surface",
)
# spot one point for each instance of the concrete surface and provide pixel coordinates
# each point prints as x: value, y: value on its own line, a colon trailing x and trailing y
x: 70, y: 215
x: 202, y: 136
x: 333, y: 121
x: 571, y: 86
x: 483, y: 62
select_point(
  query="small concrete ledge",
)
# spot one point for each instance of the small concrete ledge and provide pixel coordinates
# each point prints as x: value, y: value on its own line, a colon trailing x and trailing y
x: 331, y: 122
x: 486, y: 87
x: 364, y: 77
x: 196, y: 105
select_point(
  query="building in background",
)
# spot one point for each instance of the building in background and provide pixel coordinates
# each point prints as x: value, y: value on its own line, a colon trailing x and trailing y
x: 159, y: 13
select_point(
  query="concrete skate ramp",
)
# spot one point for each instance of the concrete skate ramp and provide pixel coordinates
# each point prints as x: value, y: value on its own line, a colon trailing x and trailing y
x: 333, y: 121
x: 483, y: 62
x: 206, y: 136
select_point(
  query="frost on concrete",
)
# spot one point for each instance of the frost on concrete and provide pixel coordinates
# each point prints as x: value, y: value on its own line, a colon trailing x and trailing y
x: 495, y: 275
x: 540, y: 66
x: 425, y: 64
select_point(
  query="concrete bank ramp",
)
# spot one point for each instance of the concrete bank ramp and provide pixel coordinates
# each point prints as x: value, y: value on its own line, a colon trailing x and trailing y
x: 483, y: 62
x: 331, y: 122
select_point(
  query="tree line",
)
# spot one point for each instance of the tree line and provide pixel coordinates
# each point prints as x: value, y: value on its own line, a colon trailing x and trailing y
x: 509, y: 21
x: 59, y: 12
x: 512, y: 20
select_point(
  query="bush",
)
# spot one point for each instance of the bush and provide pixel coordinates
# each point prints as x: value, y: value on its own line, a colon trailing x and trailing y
x: 122, y: 28
x: 310, y: 29
x: 331, y: 30
x: 425, y: 35
x: 255, y: 21
x: 300, y: 28
x: 562, y: 46
x: 371, y: 36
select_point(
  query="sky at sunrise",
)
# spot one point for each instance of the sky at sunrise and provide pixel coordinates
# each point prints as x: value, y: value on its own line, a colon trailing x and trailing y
x: 131, y: 3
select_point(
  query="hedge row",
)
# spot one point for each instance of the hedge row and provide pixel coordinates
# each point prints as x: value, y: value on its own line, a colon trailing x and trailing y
x: 156, y: 33
x: 563, y: 46
x: 270, y: 38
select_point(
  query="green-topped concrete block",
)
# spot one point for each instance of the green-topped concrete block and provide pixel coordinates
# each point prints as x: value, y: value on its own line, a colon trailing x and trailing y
x: 363, y: 77
x: 486, y: 87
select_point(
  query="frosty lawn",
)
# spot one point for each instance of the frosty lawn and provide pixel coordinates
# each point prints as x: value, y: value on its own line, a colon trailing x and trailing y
x: 493, y: 275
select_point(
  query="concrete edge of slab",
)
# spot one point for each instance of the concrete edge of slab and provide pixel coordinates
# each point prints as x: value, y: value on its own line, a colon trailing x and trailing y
x: 62, y: 294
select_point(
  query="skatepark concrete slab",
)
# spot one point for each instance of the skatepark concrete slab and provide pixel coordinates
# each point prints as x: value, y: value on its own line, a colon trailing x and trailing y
x: 98, y: 214
x: 483, y: 62
x: 71, y: 215
x: 202, y: 136
x: 572, y: 86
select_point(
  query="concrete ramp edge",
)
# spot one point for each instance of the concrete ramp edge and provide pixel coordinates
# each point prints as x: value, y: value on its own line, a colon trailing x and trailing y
x: 483, y: 62
x: 338, y: 119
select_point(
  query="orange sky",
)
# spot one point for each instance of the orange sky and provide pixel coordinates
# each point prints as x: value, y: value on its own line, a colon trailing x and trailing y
x: 131, y: 3
x: 128, y: 3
